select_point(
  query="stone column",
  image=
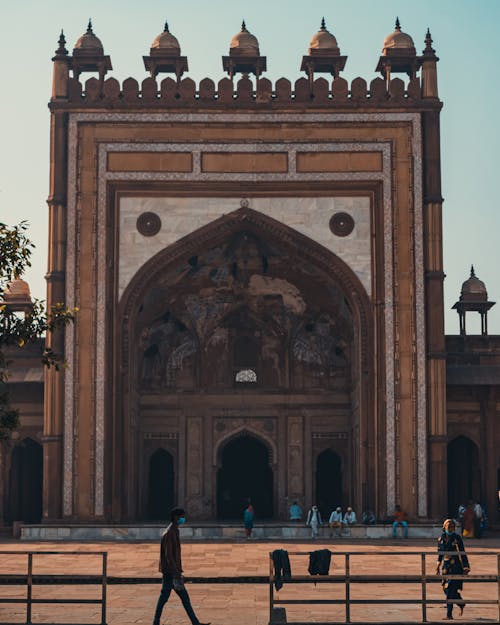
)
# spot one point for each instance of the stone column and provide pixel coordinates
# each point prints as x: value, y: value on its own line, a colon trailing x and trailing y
x: 435, y: 337
x: 54, y: 380
x: 295, y: 451
x: 194, y: 468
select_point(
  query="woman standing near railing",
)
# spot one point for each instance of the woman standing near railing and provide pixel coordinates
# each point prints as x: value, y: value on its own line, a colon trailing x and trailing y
x: 452, y: 557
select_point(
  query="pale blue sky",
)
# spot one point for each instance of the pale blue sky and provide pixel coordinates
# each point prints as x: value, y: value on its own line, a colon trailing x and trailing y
x: 465, y: 37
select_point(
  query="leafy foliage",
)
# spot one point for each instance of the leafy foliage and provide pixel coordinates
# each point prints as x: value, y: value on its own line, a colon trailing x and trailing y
x: 19, y: 330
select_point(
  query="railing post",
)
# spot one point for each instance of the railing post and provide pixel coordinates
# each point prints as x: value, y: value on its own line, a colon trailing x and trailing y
x: 498, y: 583
x: 271, y: 589
x: 104, y: 586
x: 29, y: 590
x: 424, y: 589
x: 347, y: 589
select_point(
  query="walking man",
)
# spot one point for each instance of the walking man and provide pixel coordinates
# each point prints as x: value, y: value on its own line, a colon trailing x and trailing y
x: 452, y: 562
x: 171, y: 568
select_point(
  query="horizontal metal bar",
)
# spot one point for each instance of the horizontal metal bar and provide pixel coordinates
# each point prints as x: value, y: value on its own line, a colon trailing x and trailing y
x: 53, y: 553
x: 383, y: 601
x: 14, y: 580
x: 62, y: 601
x: 393, y: 553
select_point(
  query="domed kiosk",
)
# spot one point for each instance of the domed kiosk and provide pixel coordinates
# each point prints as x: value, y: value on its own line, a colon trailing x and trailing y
x: 473, y: 297
x: 398, y: 54
x: 165, y: 56
x: 88, y: 55
x: 244, y: 55
x: 323, y: 54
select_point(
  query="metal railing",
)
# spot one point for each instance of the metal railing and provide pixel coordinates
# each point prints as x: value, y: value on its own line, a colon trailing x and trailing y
x: 348, y: 579
x: 31, y: 579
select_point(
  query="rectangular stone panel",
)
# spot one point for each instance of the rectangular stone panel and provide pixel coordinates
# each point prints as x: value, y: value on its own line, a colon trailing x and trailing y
x: 150, y: 161
x: 239, y: 162
x: 338, y: 161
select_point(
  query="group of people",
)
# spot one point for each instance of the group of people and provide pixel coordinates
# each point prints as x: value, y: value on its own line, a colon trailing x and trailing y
x: 336, y: 522
x: 452, y: 562
x: 472, y: 519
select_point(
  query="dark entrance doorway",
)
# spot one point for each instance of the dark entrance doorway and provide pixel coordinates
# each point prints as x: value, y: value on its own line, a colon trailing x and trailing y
x: 26, y: 482
x: 328, y: 482
x: 463, y: 473
x: 244, y: 473
x: 160, y: 486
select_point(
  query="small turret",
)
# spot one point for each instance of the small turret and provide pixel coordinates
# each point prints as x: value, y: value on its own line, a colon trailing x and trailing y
x: 473, y: 297
x: 244, y: 55
x: 88, y: 55
x: 60, y: 71
x: 428, y: 62
x: 323, y: 55
x: 398, y: 55
x: 165, y: 56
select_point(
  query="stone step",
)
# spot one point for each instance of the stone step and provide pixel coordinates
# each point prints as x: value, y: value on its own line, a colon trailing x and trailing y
x: 215, y: 531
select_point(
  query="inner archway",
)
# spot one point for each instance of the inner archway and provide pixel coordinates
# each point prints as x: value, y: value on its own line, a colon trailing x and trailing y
x: 463, y: 473
x: 244, y: 474
x: 26, y: 482
x: 160, y: 486
x: 328, y: 482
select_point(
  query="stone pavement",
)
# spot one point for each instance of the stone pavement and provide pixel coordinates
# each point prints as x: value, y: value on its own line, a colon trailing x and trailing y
x: 230, y: 604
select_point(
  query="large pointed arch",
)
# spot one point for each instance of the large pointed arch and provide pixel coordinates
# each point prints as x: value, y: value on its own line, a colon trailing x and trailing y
x: 330, y: 267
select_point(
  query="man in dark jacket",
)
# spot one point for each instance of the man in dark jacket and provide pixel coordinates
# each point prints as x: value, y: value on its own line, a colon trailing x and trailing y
x: 452, y: 562
x: 171, y: 568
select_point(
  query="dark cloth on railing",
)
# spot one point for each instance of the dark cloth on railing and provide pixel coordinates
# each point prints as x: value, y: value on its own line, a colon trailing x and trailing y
x: 319, y: 562
x: 282, y: 571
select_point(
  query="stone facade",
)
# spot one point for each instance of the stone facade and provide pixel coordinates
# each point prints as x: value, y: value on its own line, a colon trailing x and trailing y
x: 255, y: 269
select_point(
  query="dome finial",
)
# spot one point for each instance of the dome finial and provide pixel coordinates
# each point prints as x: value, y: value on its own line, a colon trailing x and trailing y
x: 428, y: 43
x: 61, y: 50
x: 243, y: 27
x: 472, y: 274
x: 89, y: 26
x: 323, y: 24
x: 165, y: 28
x: 398, y: 25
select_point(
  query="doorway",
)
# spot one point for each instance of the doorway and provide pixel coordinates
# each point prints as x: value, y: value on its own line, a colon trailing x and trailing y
x: 244, y: 474
x: 160, y: 486
x: 463, y: 473
x: 26, y: 482
x: 328, y: 482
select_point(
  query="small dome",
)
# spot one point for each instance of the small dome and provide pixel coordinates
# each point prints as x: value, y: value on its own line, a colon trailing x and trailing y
x: 88, y: 42
x: 473, y: 289
x: 166, y: 41
x: 323, y: 40
x: 17, y: 291
x: 398, y: 40
x: 244, y: 43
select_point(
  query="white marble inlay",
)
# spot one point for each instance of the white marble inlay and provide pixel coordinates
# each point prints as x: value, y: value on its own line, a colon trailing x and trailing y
x: 182, y: 215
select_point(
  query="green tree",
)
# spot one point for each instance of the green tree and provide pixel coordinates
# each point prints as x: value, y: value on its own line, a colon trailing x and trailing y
x: 19, y: 330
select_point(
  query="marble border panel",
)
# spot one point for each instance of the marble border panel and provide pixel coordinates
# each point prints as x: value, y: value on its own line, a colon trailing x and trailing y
x: 414, y: 119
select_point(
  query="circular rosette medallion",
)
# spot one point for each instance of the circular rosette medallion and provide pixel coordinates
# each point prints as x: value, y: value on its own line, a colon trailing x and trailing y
x: 341, y: 224
x: 148, y: 224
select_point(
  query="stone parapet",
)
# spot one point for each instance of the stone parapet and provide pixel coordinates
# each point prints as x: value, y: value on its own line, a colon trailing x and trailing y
x: 209, y: 532
x: 245, y: 93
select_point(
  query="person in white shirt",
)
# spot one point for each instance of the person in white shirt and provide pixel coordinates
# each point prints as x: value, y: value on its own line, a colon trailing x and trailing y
x: 335, y: 522
x: 350, y: 517
x: 314, y: 521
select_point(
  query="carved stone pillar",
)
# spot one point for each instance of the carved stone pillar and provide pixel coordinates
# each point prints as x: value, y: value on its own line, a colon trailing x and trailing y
x: 194, y: 468
x: 295, y: 473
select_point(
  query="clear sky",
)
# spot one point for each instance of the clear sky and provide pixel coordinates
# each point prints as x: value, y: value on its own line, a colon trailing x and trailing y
x: 465, y: 37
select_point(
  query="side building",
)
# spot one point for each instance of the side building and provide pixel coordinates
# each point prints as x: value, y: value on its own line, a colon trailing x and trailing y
x: 256, y: 267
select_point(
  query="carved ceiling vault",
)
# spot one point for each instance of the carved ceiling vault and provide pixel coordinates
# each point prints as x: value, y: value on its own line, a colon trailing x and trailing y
x: 243, y: 313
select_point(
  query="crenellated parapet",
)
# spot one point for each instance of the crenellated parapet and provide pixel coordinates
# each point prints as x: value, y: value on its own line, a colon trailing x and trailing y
x: 398, y: 56
x: 244, y: 93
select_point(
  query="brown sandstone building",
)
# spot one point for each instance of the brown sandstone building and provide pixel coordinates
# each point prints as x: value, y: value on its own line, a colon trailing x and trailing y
x: 259, y: 275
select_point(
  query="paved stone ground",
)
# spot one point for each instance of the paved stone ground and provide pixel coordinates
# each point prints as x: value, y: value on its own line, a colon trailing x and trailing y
x: 241, y: 604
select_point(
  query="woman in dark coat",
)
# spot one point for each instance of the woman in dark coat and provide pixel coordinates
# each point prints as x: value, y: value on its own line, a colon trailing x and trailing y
x: 452, y: 562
